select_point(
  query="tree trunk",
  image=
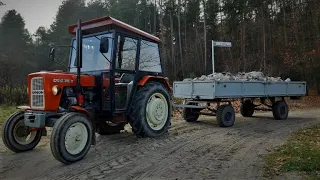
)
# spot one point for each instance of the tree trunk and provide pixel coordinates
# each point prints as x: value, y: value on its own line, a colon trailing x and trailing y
x: 172, y: 45
x: 205, y: 36
x: 180, y: 41
x: 155, y: 18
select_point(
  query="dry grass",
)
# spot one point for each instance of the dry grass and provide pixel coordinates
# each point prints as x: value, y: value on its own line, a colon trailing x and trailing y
x: 301, y: 153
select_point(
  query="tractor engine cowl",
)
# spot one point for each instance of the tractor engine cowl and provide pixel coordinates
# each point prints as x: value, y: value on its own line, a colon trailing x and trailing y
x: 46, y: 89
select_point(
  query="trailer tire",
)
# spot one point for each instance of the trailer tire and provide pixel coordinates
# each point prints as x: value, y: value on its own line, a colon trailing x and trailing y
x: 151, y: 114
x: 64, y: 146
x: 189, y: 114
x: 11, y: 136
x: 247, y: 108
x: 225, y: 115
x: 103, y: 128
x: 280, y: 110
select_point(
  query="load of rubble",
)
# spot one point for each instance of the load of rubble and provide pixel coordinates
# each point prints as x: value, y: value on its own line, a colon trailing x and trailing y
x: 241, y: 76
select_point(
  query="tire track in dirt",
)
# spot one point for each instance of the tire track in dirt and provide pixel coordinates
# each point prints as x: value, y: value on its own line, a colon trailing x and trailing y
x: 189, y: 151
x: 102, y: 170
x: 131, y: 144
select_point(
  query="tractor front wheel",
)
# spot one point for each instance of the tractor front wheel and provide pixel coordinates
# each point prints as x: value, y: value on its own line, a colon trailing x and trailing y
x: 71, y: 138
x: 151, y: 113
x: 18, y: 137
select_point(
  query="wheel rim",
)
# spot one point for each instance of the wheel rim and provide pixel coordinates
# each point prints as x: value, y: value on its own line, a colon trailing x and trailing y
x: 157, y: 111
x: 22, y: 134
x: 282, y: 110
x: 76, y: 138
x: 228, y: 117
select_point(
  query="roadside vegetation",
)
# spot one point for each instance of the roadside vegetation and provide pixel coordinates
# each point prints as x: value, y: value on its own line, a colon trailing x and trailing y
x: 300, y: 154
x: 5, y: 112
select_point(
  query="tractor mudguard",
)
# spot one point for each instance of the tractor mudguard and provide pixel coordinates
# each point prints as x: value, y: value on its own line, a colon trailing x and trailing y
x: 161, y: 79
x: 83, y: 111
x: 23, y: 107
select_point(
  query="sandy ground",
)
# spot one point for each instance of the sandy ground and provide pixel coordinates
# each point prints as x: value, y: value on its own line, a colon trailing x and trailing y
x: 199, y: 150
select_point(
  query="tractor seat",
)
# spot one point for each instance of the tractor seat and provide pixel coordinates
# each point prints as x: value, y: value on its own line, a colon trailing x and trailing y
x: 126, y: 78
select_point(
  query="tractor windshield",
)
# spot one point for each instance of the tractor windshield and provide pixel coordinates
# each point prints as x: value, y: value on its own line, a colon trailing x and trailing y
x: 92, y: 58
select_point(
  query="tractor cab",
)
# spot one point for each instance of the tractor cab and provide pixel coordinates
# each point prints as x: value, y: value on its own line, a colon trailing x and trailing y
x: 114, y: 77
x: 121, y: 57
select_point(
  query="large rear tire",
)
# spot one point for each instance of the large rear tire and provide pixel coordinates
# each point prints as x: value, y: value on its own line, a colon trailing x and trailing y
x: 71, y: 138
x: 151, y: 114
x: 225, y: 115
x: 18, y: 137
x: 105, y: 128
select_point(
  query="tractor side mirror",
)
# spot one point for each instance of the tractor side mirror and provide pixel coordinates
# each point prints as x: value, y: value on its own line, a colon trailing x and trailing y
x: 52, y: 54
x: 104, y: 45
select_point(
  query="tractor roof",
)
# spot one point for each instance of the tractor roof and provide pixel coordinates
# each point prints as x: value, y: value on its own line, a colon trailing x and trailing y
x: 108, y: 23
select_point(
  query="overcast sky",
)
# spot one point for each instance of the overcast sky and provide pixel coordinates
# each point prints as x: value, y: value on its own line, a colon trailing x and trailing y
x: 35, y: 12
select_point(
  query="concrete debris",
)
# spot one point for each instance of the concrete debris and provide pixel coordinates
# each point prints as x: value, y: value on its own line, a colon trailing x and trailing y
x: 241, y: 76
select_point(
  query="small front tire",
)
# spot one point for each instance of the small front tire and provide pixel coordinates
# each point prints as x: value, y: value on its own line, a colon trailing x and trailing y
x: 247, y: 108
x: 71, y: 138
x: 18, y: 137
x: 225, y: 115
x: 280, y: 110
x: 191, y: 114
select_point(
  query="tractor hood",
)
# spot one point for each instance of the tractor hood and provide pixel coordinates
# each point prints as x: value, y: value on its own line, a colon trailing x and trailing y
x: 40, y: 86
x: 63, y: 78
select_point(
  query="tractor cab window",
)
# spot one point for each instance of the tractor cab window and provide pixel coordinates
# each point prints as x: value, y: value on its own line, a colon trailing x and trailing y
x: 126, y: 53
x: 149, y: 57
x: 92, y: 58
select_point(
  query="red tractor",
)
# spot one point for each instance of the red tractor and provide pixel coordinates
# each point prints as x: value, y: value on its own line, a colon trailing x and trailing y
x: 115, y: 76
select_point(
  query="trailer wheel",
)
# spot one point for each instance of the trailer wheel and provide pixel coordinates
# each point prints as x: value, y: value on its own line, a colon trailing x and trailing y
x: 247, y: 108
x: 151, y: 114
x: 71, y: 138
x: 190, y: 114
x: 105, y: 128
x: 225, y: 115
x: 280, y: 110
x: 18, y: 137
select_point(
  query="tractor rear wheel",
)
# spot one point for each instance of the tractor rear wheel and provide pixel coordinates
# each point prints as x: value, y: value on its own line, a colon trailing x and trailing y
x: 18, y: 137
x: 106, y: 128
x: 151, y: 114
x: 71, y: 138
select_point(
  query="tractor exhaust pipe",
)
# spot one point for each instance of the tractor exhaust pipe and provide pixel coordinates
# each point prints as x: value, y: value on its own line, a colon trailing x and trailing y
x: 78, y: 63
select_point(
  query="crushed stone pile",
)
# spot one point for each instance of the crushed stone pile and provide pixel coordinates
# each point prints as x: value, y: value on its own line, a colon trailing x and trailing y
x: 241, y: 76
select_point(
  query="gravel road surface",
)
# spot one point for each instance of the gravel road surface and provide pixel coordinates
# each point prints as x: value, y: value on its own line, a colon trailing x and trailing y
x: 200, y: 150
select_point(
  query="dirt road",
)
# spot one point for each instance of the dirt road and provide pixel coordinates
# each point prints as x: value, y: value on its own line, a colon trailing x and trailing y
x: 190, y: 151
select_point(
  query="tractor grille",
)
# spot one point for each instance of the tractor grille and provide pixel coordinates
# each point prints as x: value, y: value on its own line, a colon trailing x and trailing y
x: 37, y: 93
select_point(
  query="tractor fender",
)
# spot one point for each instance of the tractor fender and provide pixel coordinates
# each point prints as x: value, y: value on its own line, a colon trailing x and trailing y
x: 160, y: 79
x: 23, y: 108
x: 83, y: 111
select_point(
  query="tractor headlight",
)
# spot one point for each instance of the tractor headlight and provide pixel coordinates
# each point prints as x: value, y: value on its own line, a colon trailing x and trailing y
x: 56, y: 90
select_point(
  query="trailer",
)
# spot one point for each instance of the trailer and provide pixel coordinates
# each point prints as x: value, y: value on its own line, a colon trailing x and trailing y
x: 200, y: 95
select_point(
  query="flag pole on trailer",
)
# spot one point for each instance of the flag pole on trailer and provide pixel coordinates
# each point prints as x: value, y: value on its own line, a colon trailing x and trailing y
x: 218, y: 44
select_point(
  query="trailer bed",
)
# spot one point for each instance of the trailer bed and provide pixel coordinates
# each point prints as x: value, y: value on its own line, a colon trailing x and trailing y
x: 237, y: 89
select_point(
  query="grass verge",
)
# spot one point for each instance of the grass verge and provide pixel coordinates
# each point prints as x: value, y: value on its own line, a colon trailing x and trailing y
x: 300, y: 154
x: 5, y: 112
